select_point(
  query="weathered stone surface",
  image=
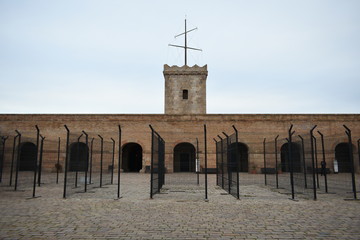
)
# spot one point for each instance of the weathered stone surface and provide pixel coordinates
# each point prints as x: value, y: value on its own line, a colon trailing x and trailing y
x: 190, y: 79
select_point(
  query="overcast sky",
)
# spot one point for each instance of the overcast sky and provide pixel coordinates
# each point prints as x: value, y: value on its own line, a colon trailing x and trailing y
x: 278, y: 56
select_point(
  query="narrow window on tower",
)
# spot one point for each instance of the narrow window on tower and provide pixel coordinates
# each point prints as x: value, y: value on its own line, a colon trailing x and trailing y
x: 185, y: 94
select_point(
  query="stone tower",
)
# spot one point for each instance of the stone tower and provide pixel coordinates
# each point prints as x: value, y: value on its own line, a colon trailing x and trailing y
x: 185, y: 89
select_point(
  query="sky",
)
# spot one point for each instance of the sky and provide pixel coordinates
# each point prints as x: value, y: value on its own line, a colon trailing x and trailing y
x: 263, y: 56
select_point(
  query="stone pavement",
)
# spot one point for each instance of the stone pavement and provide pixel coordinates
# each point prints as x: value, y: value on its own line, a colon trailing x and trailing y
x: 179, y: 212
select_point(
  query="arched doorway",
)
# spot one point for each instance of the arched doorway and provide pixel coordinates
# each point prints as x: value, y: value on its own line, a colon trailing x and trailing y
x: 296, y: 157
x: 27, y: 156
x: 242, y: 150
x: 132, y: 157
x: 78, y: 157
x: 184, y: 157
x: 342, y: 155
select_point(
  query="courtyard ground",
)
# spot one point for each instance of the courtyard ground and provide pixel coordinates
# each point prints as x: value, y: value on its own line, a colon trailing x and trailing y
x: 179, y: 212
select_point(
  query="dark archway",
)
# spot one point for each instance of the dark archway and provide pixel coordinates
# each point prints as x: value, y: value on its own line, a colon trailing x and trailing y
x: 296, y: 157
x: 132, y: 157
x: 27, y: 156
x: 342, y: 155
x: 184, y: 157
x: 242, y: 150
x: 78, y: 157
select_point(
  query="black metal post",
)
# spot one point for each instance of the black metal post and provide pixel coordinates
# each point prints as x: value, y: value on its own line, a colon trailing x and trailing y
x: 291, y: 163
x: 359, y: 150
x: 348, y: 133
x: 316, y: 163
x: 91, y: 160
x: 78, y: 160
x: 3, y: 139
x: 324, y: 161
x: 58, y: 163
x: 112, y: 161
x: 12, y: 160
x: 197, y: 160
x: 222, y: 163
x: 66, y: 159
x: 206, y: 186
x: 152, y: 162
x: 264, y: 145
x: 276, y: 163
x: 40, y: 159
x: 17, y: 160
x: 101, y: 159
x: 36, y: 161
x: 87, y: 160
x: 303, y: 158
x: 237, y: 160
x: 217, y: 163
x: 119, y: 161
x: 228, y: 163
x: 313, y: 160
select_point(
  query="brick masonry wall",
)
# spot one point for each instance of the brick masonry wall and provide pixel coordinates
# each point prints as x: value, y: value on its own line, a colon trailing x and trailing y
x: 175, y: 129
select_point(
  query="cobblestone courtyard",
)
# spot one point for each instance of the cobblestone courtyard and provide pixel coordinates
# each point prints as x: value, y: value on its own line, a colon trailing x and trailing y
x: 179, y: 212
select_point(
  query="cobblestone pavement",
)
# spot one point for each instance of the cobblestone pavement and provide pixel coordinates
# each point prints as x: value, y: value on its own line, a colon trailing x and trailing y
x: 179, y: 212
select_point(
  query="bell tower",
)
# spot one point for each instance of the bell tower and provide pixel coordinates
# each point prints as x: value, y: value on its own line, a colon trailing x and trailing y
x: 185, y: 87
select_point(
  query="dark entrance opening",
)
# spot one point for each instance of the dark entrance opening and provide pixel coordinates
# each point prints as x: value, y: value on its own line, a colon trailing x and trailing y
x: 342, y: 155
x: 243, y: 154
x: 295, y: 155
x: 184, y: 157
x: 27, y: 157
x: 78, y: 157
x: 132, y: 157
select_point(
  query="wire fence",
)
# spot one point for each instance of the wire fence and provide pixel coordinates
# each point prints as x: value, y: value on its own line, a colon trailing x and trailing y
x: 157, y: 177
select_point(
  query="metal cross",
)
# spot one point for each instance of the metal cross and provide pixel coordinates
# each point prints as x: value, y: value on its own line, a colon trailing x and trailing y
x: 185, y: 47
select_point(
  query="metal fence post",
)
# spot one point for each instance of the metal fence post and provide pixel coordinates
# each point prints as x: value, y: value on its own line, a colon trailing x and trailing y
x: 87, y: 160
x: 348, y: 133
x: 119, y: 161
x: 217, y: 163
x: 316, y: 163
x: 101, y: 159
x: 3, y: 139
x: 228, y: 163
x: 222, y: 163
x: 58, y: 163
x: 291, y: 162
x: 264, y: 145
x: 313, y: 160
x: 17, y: 160
x: 66, y: 159
x: 91, y: 160
x: 237, y: 160
x: 303, y: 158
x: 276, y: 163
x: 323, y: 164
x: 152, y: 162
x: 198, y: 160
x: 112, y: 161
x: 13, y: 160
x: 205, y: 141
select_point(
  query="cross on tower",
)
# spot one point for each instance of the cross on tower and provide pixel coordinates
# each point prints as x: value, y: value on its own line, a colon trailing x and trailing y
x: 185, y: 47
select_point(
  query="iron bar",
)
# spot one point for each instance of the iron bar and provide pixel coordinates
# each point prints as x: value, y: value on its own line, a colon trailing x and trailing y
x: 66, y: 159
x: 313, y: 160
x: 323, y: 163
x: 348, y: 133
